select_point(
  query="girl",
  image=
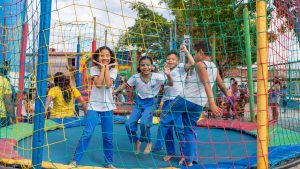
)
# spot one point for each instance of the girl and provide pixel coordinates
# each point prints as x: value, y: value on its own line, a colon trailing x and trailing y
x: 235, y: 96
x: 100, y: 105
x: 147, y: 86
x: 6, y: 102
x: 275, y: 97
x: 28, y: 106
x: 189, y: 104
x: 63, y: 96
x: 178, y: 73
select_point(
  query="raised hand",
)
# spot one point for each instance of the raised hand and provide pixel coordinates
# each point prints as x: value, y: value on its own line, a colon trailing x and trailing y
x: 167, y: 70
x: 99, y: 64
x: 183, y: 49
x: 112, y: 64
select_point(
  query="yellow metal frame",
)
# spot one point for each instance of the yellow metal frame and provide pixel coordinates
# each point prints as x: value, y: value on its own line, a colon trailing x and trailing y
x: 262, y: 85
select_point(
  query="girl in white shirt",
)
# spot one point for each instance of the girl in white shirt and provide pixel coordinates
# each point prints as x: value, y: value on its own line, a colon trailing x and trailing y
x: 189, y: 104
x: 147, y: 86
x: 101, y: 105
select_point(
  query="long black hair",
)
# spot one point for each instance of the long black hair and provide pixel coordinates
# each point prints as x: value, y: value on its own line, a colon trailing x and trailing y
x: 63, y: 82
x: 144, y: 58
x: 98, y: 51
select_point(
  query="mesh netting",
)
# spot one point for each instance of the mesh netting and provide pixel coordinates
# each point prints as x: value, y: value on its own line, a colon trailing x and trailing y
x: 53, y: 70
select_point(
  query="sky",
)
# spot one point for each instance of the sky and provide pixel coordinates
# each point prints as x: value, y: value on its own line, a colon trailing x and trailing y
x: 115, y: 16
x: 73, y: 18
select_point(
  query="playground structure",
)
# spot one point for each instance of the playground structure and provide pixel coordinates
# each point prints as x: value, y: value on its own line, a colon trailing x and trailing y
x: 31, y: 29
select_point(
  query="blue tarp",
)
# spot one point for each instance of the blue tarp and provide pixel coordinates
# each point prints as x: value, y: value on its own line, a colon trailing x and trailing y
x: 277, y: 155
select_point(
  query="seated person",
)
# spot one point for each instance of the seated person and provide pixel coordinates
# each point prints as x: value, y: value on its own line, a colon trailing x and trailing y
x: 63, y: 96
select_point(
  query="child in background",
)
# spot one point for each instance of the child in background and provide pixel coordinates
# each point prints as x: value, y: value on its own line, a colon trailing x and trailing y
x: 6, y: 102
x: 101, y: 105
x: 284, y: 97
x: 189, y: 104
x: 147, y: 86
x: 120, y: 96
x: 25, y: 107
x: 275, y: 97
x: 178, y: 74
x: 63, y: 96
x: 234, y: 99
x: 242, y: 101
x: 28, y: 106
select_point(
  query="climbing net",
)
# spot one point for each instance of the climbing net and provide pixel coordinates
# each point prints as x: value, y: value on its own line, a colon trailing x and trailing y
x: 40, y: 38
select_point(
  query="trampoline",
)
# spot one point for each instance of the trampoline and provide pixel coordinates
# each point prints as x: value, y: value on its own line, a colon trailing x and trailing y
x: 221, y: 144
x: 227, y: 147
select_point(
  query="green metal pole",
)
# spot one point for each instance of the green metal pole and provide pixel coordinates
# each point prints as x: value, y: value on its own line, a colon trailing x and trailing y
x: 134, y: 65
x: 249, y: 61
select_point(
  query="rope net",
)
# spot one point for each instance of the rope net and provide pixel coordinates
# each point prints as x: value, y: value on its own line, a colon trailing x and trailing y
x: 53, y: 70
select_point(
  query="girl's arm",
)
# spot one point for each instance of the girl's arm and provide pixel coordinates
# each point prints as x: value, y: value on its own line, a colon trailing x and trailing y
x: 83, y: 102
x: 98, y: 80
x: 108, y: 80
x: 203, y: 76
x: 222, y: 86
x: 168, y: 74
x: 191, y: 61
x: 48, y: 100
x: 123, y: 86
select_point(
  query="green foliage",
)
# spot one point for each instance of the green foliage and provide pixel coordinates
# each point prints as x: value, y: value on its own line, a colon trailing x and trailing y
x: 200, y: 19
x: 222, y: 18
x: 150, y: 28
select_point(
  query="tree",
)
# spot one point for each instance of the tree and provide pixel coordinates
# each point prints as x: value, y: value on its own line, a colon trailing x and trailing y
x: 290, y: 10
x: 203, y: 18
x: 150, y: 32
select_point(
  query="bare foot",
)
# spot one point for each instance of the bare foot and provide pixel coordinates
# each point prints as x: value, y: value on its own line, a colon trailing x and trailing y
x: 181, y: 161
x: 167, y: 158
x: 137, y: 147
x: 148, y: 148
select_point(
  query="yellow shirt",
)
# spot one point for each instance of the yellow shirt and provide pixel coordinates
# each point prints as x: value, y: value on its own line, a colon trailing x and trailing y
x: 61, y: 109
x: 5, y: 89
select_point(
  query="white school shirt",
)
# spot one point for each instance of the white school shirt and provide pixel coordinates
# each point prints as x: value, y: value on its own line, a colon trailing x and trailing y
x: 101, y: 99
x: 31, y: 105
x: 178, y: 75
x: 24, y: 112
x: 194, y: 90
x: 147, y: 90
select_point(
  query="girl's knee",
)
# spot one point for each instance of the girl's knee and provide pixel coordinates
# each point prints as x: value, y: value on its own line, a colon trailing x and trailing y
x: 145, y: 124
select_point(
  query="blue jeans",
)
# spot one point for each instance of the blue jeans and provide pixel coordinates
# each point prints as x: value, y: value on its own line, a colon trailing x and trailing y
x: 144, y: 110
x: 190, y: 113
x: 168, y: 133
x: 107, y: 134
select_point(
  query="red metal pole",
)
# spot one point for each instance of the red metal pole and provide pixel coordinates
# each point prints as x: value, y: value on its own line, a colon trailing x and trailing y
x: 22, y: 70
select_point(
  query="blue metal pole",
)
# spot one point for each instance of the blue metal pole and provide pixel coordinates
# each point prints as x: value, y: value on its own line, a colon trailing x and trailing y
x: 42, y: 69
x: 78, y: 74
